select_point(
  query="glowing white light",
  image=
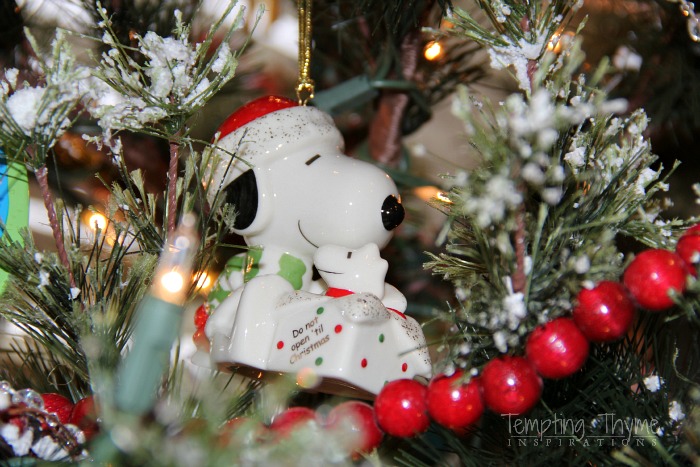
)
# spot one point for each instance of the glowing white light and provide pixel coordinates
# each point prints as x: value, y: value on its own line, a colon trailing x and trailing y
x: 172, y: 281
x: 97, y: 221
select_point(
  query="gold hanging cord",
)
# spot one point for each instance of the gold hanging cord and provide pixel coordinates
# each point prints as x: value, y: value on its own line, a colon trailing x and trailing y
x: 305, y: 85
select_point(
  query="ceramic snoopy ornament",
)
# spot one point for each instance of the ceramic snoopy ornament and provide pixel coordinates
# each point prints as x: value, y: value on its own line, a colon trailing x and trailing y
x: 299, y: 199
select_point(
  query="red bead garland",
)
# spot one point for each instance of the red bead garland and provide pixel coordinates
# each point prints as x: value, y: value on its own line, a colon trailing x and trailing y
x: 453, y: 404
x: 511, y: 385
x: 652, y: 275
x: 401, y: 408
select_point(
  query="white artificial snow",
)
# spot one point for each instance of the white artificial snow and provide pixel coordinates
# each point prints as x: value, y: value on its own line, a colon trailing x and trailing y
x: 499, y: 194
x: 582, y: 264
x: 24, y: 106
x: 74, y: 292
x: 499, y: 340
x: 552, y: 195
x: 576, y: 157
x: 517, y: 55
x: 653, y: 383
x: 645, y: 177
x: 625, y: 59
x: 514, y: 307
x: 222, y: 58
x: 533, y: 174
x: 11, y: 77
x: 675, y: 411
x: 38, y: 257
x: 43, y: 278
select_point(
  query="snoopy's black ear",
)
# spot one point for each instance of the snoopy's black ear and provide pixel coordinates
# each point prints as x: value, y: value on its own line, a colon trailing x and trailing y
x: 242, y: 193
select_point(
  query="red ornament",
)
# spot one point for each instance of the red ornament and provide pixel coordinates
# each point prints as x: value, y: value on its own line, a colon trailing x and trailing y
x: 354, y: 423
x: 84, y: 416
x: 252, y: 110
x: 557, y: 349
x: 605, y: 312
x: 510, y: 385
x: 59, y: 405
x: 291, y: 419
x: 688, y: 248
x: 201, y: 316
x: 453, y: 404
x: 401, y: 408
x: 652, y: 275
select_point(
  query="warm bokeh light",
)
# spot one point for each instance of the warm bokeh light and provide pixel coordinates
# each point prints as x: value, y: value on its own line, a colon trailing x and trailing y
x: 307, y: 378
x: 429, y: 193
x: 556, y: 43
x: 202, y: 279
x: 433, y: 51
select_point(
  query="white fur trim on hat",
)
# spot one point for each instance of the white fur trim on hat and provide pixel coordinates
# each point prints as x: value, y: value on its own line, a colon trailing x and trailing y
x: 272, y: 137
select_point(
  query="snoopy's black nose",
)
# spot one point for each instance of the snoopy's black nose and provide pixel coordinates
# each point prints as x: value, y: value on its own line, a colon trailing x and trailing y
x: 392, y: 212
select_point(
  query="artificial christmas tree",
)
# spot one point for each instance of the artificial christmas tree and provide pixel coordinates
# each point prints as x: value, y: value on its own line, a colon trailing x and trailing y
x: 572, y: 334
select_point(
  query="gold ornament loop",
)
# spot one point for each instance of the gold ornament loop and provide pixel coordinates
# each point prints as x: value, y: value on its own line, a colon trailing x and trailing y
x: 305, y: 85
x: 305, y: 91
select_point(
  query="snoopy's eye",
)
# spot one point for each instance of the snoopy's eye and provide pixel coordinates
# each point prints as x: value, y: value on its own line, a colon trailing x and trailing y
x: 313, y: 159
x: 349, y: 254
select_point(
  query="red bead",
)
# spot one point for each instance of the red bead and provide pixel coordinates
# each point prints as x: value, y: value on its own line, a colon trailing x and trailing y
x: 354, y: 423
x: 291, y: 419
x: 688, y: 248
x: 84, y: 416
x: 201, y: 316
x: 652, y: 275
x: 252, y: 110
x: 510, y: 385
x: 604, y: 313
x: 453, y: 404
x: 557, y: 349
x: 59, y: 405
x: 401, y: 408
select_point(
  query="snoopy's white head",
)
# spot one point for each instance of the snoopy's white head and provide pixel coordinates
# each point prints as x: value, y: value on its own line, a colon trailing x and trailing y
x: 358, y: 270
x: 293, y: 187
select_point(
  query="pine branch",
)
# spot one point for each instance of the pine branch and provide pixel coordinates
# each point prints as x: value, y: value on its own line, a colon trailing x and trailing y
x: 42, y: 179
x: 172, y: 184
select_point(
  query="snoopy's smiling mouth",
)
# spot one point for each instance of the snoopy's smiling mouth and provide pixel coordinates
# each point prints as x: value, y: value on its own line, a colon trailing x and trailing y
x: 305, y: 237
x: 329, y: 272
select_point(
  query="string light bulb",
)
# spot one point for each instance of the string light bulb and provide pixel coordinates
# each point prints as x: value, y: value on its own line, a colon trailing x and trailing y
x: 174, y: 274
x: 159, y: 317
